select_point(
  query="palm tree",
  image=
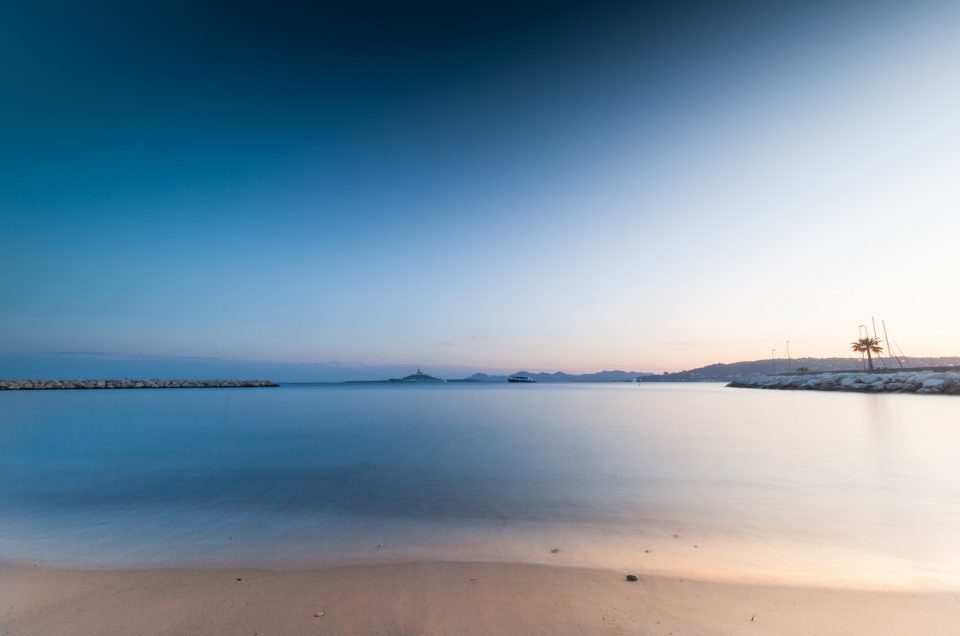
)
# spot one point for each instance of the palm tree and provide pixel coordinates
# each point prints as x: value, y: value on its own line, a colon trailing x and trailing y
x: 868, y: 346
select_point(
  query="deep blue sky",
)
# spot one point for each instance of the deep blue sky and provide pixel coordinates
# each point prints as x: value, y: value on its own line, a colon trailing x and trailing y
x: 567, y: 185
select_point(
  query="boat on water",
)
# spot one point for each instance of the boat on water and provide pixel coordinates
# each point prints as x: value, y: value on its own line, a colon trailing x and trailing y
x: 521, y: 379
x: 419, y: 377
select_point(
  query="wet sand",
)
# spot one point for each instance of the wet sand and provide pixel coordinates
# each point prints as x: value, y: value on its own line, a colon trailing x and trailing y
x: 443, y: 598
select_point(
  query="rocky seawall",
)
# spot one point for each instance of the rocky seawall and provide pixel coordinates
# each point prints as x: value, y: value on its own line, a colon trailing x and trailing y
x: 47, y: 385
x: 930, y: 382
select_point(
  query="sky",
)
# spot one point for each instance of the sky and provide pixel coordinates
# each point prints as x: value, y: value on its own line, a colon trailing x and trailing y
x: 333, y: 187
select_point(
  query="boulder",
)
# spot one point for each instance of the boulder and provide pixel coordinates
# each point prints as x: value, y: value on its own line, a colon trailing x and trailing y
x: 933, y: 385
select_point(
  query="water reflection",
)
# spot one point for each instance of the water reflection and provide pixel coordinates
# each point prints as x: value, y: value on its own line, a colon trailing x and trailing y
x: 752, y: 478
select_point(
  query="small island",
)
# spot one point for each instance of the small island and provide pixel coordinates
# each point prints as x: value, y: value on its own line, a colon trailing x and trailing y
x: 419, y: 377
x: 53, y: 385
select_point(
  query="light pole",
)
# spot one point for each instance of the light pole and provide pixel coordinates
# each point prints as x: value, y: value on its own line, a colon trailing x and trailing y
x: 773, y: 359
x: 788, y: 356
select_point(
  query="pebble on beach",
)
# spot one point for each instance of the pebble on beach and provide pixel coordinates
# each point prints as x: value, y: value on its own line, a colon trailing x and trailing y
x: 632, y: 577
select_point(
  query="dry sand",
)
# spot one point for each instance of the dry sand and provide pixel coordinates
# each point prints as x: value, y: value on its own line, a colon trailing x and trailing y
x: 443, y: 598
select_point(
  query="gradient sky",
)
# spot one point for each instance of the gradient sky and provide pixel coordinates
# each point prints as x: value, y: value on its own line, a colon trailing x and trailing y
x: 547, y: 185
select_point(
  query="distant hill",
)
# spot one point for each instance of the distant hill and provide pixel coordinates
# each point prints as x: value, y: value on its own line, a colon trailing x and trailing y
x: 559, y: 376
x: 734, y: 370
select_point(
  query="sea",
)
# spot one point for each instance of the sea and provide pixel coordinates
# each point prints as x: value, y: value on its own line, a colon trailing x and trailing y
x: 693, y: 480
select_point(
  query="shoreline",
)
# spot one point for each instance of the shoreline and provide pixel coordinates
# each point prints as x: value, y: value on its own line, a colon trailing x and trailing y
x: 876, y: 381
x: 431, y: 597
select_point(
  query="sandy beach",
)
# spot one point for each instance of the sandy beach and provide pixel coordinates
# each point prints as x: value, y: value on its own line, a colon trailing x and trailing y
x: 443, y: 598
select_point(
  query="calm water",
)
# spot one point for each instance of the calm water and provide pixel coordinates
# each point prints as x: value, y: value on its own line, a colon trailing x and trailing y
x: 710, y: 480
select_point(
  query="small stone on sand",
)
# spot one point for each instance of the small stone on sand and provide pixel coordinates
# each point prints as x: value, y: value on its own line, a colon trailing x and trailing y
x: 555, y: 551
x: 632, y: 577
x: 318, y: 614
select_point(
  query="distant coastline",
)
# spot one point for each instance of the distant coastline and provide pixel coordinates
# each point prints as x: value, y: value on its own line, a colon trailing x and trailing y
x: 61, y: 385
x: 560, y: 376
x: 557, y: 377
x: 736, y: 371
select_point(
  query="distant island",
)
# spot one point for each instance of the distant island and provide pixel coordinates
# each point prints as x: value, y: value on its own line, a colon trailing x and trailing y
x: 53, y: 385
x: 560, y: 376
x: 420, y: 378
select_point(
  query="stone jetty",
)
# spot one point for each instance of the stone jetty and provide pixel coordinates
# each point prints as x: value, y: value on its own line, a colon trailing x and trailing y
x: 48, y: 385
x: 928, y: 382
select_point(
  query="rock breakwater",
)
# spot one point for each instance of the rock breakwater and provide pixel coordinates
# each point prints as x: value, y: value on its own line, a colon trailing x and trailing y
x: 942, y: 382
x: 48, y: 385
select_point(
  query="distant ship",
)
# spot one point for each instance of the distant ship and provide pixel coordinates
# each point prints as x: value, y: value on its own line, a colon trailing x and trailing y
x: 420, y: 377
x: 521, y: 379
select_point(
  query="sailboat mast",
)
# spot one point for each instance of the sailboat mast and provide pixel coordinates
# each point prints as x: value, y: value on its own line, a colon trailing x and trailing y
x: 886, y: 339
x: 874, y: 321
